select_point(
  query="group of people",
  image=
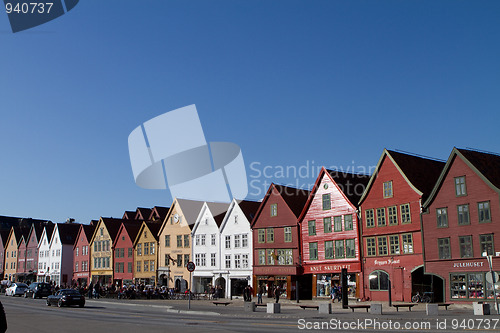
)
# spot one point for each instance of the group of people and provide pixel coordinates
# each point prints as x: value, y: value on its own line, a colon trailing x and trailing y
x: 262, y: 290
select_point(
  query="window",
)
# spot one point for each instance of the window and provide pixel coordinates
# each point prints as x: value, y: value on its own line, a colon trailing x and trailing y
x: 117, y: 253
x: 76, y: 266
x: 465, y: 246
x: 167, y: 259
x: 236, y: 219
x: 151, y: 248
x: 237, y: 242
x: 327, y: 224
x: 326, y: 202
x: 186, y: 240
x: 146, y: 265
x: 274, y: 209
x: 237, y: 261
x: 228, y: 241
x: 484, y: 211
x: 388, y: 189
x: 197, y: 240
x: 463, y: 214
x: 213, y: 238
x: 179, y: 260
x: 262, y: 257
x: 486, y: 242
x: 212, y: 259
x: 407, y: 243
x: 130, y: 252
x: 244, y: 260
x: 442, y: 217
x: 186, y: 259
x: 382, y: 245
x: 261, y: 236
x: 270, y: 257
x: 102, y: 231
x: 379, y: 280
x: 370, y: 221
x: 244, y: 240
x: 337, y: 223
x: 371, y: 248
x: 179, y: 240
x: 405, y: 213
x: 129, y: 267
x: 146, y: 249
x: 339, y: 249
x: 350, y: 249
x: 151, y: 266
x: 313, y: 251
x: 228, y: 260
x: 197, y: 260
x: 281, y: 256
x: 311, y: 227
x: 76, y: 251
x: 139, y: 249
x: 394, y: 244
x: 139, y: 266
x: 444, y: 248
x: 348, y: 222
x: 460, y: 189
x: 393, y: 215
x: 202, y: 239
x: 270, y: 235
x: 329, y: 250
x: 381, y: 217
x: 288, y: 234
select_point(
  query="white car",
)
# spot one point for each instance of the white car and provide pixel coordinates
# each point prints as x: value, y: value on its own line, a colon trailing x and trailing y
x: 16, y: 289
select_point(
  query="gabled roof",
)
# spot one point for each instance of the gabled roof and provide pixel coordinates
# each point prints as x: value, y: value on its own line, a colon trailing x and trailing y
x: 294, y: 198
x: 485, y: 165
x: 112, y: 225
x: 158, y: 213
x: 190, y: 209
x: 249, y: 208
x: 6, y: 222
x: 129, y: 215
x: 87, y: 230
x: 350, y: 184
x: 154, y: 228
x: 68, y: 232
x: 143, y: 213
x: 212, y: 207
x: 131, y: 228
x: 420, y: 172
x: 4, y: 234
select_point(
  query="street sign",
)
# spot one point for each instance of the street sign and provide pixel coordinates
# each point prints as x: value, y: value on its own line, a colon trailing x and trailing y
x: 489, y: 277
x: 190, y: 266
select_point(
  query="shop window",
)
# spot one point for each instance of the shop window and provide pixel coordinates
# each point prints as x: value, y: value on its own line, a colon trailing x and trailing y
x: 463, y: 214
x: 458, y: 285
x: 381, y: 217
x: 476, y: 285
x: 337, y: 223
x: 370, y: 221
x: 444, y: 248
x: 379, y: 280
x: 393, y: 215
x: 348, y: 222
x: 327, y: 224
x: 442, y: 217
x: 326, y: 202
x: 394, y: 244
x: 311, y: 228
x: 484, y: 211
x: 465, y: 246
x: 486, y: 242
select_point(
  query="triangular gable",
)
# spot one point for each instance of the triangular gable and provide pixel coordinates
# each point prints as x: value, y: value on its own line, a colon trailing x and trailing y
x: 209, y: 206
x: 151, y: 227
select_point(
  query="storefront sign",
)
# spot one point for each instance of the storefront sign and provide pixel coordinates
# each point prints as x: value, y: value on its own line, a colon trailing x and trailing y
x: 387, y: 262
x: 275, y: 270
x: 468, y: 264
x: 331, y: 268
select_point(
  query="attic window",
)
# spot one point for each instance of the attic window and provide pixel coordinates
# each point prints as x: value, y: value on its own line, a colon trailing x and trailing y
x: 388, y: 189
x: 274, y: 210
x: 206, y: 221
x: 102, y: 231
x: 236, y: 219
x: 145, y: 234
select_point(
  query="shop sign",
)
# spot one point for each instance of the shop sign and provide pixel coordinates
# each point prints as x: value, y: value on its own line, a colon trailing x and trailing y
x: 468, y: 264
x: 387, y: 262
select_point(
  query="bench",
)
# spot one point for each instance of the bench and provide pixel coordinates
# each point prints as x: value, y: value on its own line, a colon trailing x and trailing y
x: 316, y: 307
x: 359, y: 306
x: 222, y: 303
x: 404, y: 305
x: 446, y: 305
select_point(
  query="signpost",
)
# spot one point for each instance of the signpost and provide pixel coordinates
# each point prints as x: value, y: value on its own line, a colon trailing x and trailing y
x: 190, y: 267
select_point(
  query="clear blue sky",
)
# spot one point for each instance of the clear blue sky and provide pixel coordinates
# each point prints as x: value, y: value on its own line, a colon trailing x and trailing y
x: 292, y: 82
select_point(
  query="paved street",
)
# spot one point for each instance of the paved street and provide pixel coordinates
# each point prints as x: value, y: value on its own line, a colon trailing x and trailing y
x: 27, y: 315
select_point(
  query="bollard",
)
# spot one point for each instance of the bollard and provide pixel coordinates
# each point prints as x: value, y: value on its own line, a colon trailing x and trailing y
x: 376, y: 309
x: 325, y: 308
x: 431, y: 309
x: 249, y: 306
x: 273, y: 308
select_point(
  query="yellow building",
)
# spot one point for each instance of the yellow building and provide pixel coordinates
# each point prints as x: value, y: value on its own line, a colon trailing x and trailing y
x: 101, y: 259
x: 174, y: 250
x: 146, y: 253
x: 11, y: 254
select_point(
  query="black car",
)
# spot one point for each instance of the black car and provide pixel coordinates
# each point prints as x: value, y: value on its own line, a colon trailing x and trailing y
x: 66, y: 297
x: 38, y: 290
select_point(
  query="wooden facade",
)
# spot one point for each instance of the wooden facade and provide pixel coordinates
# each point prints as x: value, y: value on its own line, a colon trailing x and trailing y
x: 123, y: 246
x: 146, y: 253
x: 81, y: 255
x: 101, y: 251
x: 460, y: 223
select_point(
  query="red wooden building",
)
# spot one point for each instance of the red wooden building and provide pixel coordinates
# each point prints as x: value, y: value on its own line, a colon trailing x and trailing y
x: 329, y: 231
x: 123, y: 246
x: 276, y: 246
x: 391, y: 231
x: 81, y: 255
x: 461, y: 223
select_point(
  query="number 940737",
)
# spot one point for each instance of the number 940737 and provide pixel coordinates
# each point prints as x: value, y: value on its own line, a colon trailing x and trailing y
x: 29, y: 7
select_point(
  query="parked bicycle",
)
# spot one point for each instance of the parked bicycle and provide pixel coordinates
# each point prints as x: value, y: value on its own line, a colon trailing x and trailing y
x: 425, y: 298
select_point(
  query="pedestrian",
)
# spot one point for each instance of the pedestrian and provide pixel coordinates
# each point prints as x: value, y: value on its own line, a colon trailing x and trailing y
x: 90, y: 290
x: 277, y: 293
x: 259, y: 294
x: 339, y: 294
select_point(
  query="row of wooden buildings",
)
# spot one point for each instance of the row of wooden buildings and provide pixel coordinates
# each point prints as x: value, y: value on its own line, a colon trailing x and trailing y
x: 421, y: 224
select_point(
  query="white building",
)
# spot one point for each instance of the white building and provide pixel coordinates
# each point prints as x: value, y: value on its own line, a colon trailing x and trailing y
x: 43, y: 274
x: 236, y: 246
x: 206, y: 247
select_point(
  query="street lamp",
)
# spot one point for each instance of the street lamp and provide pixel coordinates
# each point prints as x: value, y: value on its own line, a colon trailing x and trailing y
x: 489, y: 258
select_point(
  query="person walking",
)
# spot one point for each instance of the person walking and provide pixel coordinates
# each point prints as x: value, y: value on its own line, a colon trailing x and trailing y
x: 259, y: 294
x: 277, y: 293
x: 90, y: 290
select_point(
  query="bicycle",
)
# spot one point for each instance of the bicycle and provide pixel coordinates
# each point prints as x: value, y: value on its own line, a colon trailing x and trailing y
x: 425, y: 298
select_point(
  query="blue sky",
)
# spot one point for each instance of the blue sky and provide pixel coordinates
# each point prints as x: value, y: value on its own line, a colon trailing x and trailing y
x: 293, y: 83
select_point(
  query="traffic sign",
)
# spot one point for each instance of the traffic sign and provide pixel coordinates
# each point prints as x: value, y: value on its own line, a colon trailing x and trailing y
x: 190, y: 266
x: 489, y: 277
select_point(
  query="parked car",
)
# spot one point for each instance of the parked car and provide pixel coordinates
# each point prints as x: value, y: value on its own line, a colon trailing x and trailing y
x: 38, y: 290
x: 16, y: 288
x: 66, y: 297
